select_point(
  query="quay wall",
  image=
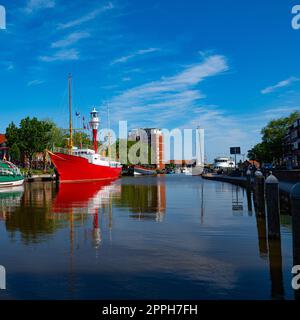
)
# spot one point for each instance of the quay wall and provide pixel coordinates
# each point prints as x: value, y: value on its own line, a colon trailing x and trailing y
x: 287, y: 175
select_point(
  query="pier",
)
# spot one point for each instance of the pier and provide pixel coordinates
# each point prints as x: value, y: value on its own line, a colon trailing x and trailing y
x: 41, y: 178
x: 285, y: 187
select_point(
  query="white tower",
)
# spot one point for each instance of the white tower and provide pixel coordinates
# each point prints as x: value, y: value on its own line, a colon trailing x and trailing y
x: 94, y: 123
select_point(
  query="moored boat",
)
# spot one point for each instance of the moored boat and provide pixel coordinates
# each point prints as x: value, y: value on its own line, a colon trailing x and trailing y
x: 10, y: 175
x: 83, y: 165
x: 76, y: 165
x: 139, y: 170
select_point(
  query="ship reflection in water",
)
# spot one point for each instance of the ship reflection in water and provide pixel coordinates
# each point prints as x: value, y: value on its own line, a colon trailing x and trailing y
x: 144, y: 237
x: 77, y: 200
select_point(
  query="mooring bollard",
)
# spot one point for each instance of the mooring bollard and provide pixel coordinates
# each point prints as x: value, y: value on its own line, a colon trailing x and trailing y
x: 273, y: 210
x: 295, y: 204
x: 260, y: 192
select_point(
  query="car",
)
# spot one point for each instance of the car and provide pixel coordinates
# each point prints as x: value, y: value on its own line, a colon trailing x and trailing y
x: 267, y: 166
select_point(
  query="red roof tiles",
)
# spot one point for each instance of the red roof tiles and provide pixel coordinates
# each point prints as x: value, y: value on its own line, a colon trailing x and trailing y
x: 2, y: 138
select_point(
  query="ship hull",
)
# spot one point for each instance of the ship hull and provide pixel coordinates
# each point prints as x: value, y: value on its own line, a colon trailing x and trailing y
x: 76, y: 169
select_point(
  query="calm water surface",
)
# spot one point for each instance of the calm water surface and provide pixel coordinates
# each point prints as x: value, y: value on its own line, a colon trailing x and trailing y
x: 176, y: 237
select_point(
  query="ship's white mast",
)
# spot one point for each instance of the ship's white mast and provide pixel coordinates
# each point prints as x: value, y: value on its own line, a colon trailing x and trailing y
x: 108, y: 124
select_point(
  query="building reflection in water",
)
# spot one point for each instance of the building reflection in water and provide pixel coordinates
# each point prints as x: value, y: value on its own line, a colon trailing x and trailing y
x: 146, y: 201
x: 37, y: 210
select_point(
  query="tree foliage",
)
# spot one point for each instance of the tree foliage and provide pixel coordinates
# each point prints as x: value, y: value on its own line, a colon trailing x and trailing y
x: 60, y: 137
x: 134, y: 150
x: 30, y: 137
x: 271, y: 149
x: 81, y: 139
x: 15, y: 153
x: 33, y: 136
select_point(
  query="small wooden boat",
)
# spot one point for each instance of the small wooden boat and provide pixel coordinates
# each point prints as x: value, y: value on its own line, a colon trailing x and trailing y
x: 139, y: 170
x: 10, y: 175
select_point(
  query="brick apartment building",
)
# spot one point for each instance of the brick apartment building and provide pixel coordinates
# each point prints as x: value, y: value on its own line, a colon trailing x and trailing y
x: 154, y: 138
x: 292, y: 146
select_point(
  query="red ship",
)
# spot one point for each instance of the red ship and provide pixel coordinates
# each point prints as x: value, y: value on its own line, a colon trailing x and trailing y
x: 75, y: 165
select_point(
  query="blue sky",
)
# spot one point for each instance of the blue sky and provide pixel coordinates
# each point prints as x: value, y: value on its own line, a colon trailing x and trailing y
x: 224, y: 65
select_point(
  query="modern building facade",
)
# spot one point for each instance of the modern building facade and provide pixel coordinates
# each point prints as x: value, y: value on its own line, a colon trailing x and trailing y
x: 292, y: 146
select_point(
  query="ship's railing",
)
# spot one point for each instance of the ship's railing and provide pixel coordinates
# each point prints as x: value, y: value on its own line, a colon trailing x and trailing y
x: 112, y: 163
x: 62, y: 150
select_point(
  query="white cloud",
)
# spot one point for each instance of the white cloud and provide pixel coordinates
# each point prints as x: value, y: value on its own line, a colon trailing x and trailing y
x: 70, y: 39
x: 62, y: 55
x: 178, y: 100
x: 171, y: 99
x: 35, y: 82
x: 279, y: 111
x: 281, y: 84
x: 137, y: 53
x: 34, y: 5
x: 88, y: 17
x: 10, y: 66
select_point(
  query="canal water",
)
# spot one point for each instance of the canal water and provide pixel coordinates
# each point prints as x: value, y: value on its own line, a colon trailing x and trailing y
x: 170, y: 237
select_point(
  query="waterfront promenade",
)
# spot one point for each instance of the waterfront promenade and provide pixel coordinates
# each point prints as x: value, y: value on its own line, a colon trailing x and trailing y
x: 284, y: 186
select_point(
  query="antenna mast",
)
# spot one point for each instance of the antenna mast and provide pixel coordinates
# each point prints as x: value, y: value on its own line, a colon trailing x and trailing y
x: 108, y: 123
x: 71, y: 143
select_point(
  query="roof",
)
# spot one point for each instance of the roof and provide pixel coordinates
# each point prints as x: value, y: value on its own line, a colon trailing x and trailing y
x: 252, y: 162
x: 2, y: 138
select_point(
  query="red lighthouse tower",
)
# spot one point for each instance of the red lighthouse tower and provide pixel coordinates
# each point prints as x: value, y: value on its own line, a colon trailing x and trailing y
x: 94, y: 123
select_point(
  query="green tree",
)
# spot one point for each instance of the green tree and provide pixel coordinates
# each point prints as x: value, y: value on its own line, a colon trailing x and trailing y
x: 58, y: 136
x: 31, y: 137
x: 115, y: 150
x: 273, y: 135
x: 271, y: 149
x: 260, y: 153
x: 12, y: 135
x: 81, y: 138
x: 15, y: 153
